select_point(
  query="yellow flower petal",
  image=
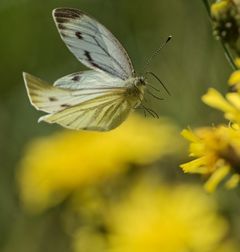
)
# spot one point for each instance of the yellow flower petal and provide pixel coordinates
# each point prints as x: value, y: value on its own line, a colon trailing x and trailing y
x: 233, y: 181
x: 235, y: 126
x: 196, y: 166
x: 214, y: 99
x: 234, y: 98
x: 235, y: 76
x: 197, y: 149
x: 189, y: 135
x: 237, y: 60
x: 216, y: 178
x: 219, y: 8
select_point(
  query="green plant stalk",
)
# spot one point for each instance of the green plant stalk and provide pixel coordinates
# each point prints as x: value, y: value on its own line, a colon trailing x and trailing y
x: 229, y: 56
x: 226, y: 50
x: 207, y: 5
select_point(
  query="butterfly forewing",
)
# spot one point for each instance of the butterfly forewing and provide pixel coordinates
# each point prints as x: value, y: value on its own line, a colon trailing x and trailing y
x: 92, y: 43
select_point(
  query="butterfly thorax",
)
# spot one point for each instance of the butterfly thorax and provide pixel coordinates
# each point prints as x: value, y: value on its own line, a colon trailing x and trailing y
x: 135, y: 90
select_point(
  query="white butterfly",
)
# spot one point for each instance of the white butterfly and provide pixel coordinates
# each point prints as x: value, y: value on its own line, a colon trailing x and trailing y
x: 99, y: 99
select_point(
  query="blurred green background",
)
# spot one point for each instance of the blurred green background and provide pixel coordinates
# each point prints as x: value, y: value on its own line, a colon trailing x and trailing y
x: 188, y: 65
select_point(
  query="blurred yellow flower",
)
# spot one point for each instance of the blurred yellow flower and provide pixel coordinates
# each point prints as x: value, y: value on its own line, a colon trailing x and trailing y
x: 55, y: 166
x: 237, y: 60
x: 229, y: 105
x: 217, y: 153
x: 219, y: 8
x: 89, y: 240
x: 158, y: 218
x: 226, y: 22
x: 234, y: 80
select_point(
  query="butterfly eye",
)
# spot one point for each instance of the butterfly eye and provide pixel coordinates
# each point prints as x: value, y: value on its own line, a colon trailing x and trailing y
x: 142, y: 80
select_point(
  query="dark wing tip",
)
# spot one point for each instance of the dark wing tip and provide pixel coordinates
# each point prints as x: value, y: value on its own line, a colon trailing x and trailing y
x: 66, y: 13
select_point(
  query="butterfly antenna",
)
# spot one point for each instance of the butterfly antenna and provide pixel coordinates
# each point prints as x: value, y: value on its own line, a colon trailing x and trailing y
x: 153, y: 95
x: 151, y: 112
x: 156, y: 52
x: 158, y: 90
x: 144, y: 111
x: 157, y: 78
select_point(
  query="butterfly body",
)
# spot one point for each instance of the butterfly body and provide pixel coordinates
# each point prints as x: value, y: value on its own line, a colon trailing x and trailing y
x: 98, y: 99
x: 135, y: 91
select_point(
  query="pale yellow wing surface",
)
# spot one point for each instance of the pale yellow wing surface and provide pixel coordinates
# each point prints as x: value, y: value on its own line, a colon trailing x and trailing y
x: 46, y: 97
x: 101, y: 114
x: 100, y: 108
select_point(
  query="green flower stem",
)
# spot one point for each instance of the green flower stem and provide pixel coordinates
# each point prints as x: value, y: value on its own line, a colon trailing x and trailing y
x: 229, y: 56
x: 207, y: 5
x: 225, y: 48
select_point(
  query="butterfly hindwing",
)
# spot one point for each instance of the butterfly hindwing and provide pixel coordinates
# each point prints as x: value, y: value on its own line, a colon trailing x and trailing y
x: 101, y: 114
x: 89, y: 79
x: 92, y: 43
x: 95, y: 107
x: 45, y: 97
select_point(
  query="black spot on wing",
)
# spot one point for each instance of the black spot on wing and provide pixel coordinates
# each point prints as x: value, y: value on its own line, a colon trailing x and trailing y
x: 65, y: 105
x: 52, y: 98
x: 79, y: 34
x: 88, y: 55
x: 91, y: 61
x: 96, y: 65
x: 76, y: 78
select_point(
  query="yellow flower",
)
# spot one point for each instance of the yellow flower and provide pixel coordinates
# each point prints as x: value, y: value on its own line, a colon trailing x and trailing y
x: 226, y: 22
x: 89, y: 240
x: 219, y: 8
x: 55, y: 166
x: 229, y: 105
x: 217, y: 153
x: 158, y: 218
x: 234, y: 80
x: 237, y: 60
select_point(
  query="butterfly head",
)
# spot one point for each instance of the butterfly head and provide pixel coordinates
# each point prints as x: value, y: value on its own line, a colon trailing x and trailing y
x: 140, y: 81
